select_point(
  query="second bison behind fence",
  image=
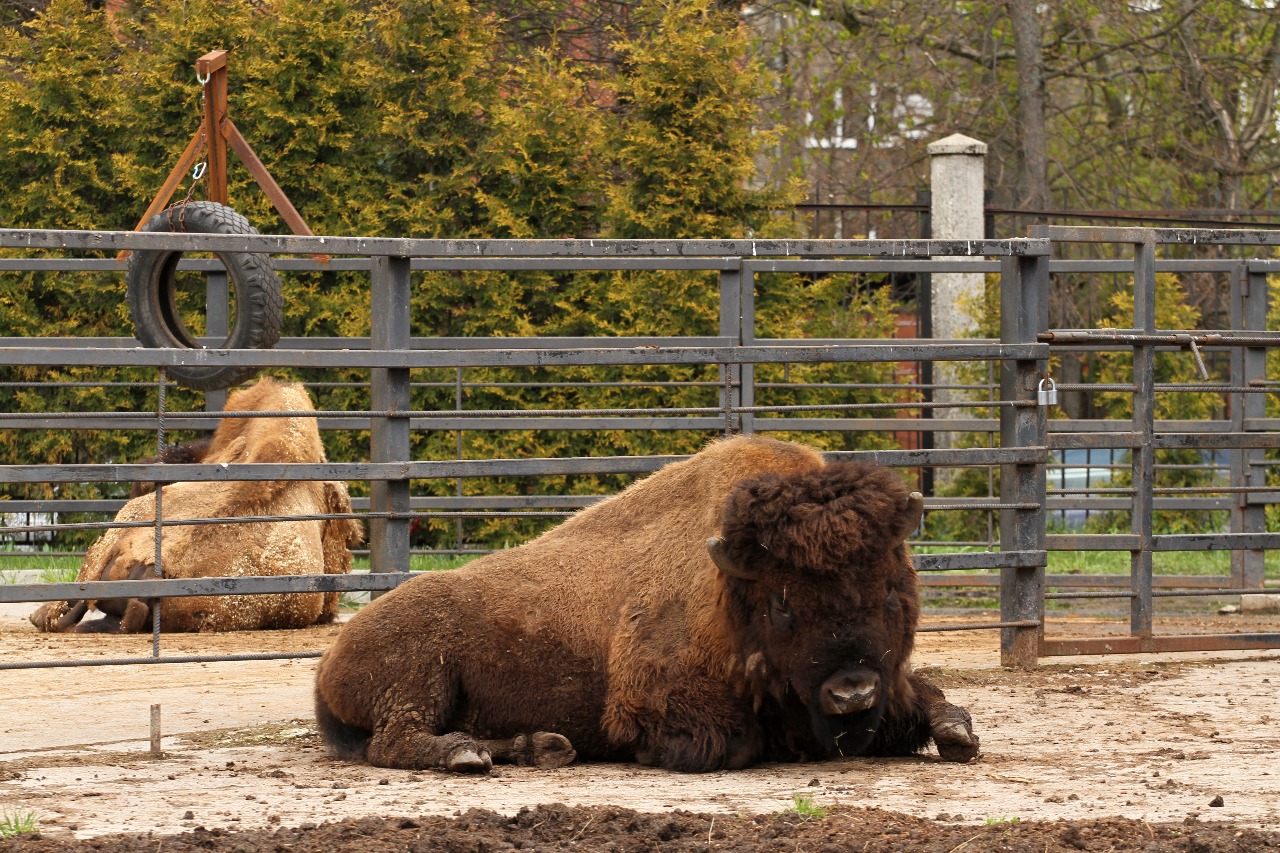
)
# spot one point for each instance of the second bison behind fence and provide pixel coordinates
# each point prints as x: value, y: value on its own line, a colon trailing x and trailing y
x: 227, y: 550
x: 750, y: 603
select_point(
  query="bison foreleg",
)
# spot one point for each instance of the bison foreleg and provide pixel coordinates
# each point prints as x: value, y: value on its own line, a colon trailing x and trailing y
x: 59, y: 616
x: 950, y: 726
x: 412, y: 747
x: 121, y: 615
x: 544, y: 750
x: 125, y: 616
x: 952, y: 731
x: 930, y: 717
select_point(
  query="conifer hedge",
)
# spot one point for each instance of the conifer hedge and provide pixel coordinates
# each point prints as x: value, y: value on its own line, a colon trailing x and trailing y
x: 405, y: 119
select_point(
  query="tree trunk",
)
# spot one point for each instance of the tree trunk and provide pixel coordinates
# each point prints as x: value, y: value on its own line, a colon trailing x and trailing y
x: 1029, y: 57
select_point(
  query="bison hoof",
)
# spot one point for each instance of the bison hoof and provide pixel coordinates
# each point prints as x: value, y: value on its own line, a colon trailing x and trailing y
x: 43, y: 618
x: 467, y: 760
x: 952, y: 730
x: 551, y: 750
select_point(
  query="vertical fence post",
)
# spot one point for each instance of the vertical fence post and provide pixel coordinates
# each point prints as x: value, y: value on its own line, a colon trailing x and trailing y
x: 457, y: 404
x: 217, y: 325
x: 1024, y: 312
x: 1248, y: 312
x: 1143, y: 461
x: 747, y: 338
x: 389, y: 435
x: 731, y: 322
x: 159, y: 514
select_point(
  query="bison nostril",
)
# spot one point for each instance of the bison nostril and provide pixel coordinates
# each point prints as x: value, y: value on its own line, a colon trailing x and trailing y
x: 848, y: 694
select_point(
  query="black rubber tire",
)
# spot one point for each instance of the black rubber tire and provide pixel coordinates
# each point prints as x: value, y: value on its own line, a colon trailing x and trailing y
x: 152, y: 303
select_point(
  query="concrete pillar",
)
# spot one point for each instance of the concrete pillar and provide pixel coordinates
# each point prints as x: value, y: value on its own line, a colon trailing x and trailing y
x: 957, y: 169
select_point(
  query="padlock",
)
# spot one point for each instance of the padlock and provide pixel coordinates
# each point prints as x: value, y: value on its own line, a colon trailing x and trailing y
x: 1047, y: 396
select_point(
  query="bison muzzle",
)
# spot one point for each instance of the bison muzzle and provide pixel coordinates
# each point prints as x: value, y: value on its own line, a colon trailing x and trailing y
x: 750, y: 603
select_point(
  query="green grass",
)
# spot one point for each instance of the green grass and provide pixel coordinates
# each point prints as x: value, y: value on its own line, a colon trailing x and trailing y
x: 804, y: 806
x: 996, y: 821
x: 18, y: 823
x: 13, y: 560
x: 1117, y: 562
x: 421, y: 562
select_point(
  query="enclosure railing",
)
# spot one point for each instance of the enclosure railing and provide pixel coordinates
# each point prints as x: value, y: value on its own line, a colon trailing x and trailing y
x: 391, y: 356
x: 1021, y: 431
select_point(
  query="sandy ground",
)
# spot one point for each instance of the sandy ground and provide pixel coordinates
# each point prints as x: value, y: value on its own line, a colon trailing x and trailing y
x: 1155, y: 738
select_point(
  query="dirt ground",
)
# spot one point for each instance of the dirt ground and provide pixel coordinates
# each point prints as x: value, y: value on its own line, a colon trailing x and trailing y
x: 1155, y: 752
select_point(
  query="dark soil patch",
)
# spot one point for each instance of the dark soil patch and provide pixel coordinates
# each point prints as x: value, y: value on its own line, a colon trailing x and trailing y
x: 608, y: 828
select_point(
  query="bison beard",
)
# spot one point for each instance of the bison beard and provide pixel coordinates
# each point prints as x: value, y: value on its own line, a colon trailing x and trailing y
x: 750, y: 603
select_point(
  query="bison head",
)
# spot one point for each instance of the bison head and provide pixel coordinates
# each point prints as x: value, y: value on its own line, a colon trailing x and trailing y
x: 823, y: 594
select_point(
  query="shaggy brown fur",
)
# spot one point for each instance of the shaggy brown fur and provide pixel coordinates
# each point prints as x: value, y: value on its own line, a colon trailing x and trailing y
x: 228, y: 550
x: 188, y: 452
x: 614, y: 636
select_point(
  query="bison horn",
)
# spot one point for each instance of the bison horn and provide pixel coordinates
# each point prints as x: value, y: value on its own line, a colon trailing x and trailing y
x: 720, y: 556
x: 914, y: 512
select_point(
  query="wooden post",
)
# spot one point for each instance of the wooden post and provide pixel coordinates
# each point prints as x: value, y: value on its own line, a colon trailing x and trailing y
x: 216, y: 134
x: 211, y: 70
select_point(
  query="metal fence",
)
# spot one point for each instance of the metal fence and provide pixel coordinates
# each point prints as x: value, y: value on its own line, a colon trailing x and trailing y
x: 1021, y: 435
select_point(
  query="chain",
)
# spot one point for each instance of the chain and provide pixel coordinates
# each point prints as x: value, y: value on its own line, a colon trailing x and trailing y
x: 198, y: 173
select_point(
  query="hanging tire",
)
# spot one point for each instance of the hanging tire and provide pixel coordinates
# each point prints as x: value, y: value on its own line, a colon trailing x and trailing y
x: 152, y: 293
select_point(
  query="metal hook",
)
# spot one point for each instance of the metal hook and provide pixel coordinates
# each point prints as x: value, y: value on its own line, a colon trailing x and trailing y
x: 198, y: 172
x: 203, y: 81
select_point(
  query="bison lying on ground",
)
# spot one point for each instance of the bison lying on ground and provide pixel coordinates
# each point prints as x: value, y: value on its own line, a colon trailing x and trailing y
x: 227, y: 550
x: 750, y: 603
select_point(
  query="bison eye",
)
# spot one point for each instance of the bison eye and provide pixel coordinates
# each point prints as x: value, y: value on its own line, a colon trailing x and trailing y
x: 779, y: 615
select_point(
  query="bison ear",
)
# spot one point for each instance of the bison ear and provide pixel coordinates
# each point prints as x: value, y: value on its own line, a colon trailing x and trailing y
x: 912, y: 515
x: 720, y: 556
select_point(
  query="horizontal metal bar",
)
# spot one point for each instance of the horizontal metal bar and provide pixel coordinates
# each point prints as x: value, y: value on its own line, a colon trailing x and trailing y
x: 1171, y: 339
x: 1068, y: 581
x: 1091, y: 542
x: 920, y: 265
x: 452, y: 468
x: 63, y: 664
x: 1094, y: 440
x: 1200, y: 593
x: 1178, y: 441
x: 980, y: 560
x: 970, y: 457
x: 1216, y: 541
x: 254, y: 472
x: 1062, y: 265
x: 470, y: 424
x: 362, y: 344
x: 112, y: 241
x: 918, y: 425
x: 411, y: 359
x: 1150, y: 645
x: 1123, y: 504
x: 283, y: 519
x: 173, y: 587
x: 977, y: 626
x: 923, y: 265
x: 1178, y: 236
x: 1169, y: 593
x: 423, y: 502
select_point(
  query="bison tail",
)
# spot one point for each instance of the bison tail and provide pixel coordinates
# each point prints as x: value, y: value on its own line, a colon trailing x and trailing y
x: 343, y: 741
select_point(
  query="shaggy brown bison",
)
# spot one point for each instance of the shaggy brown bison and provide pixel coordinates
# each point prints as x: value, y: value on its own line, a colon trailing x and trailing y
x: 227, y: 550
x: 749, y: 603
